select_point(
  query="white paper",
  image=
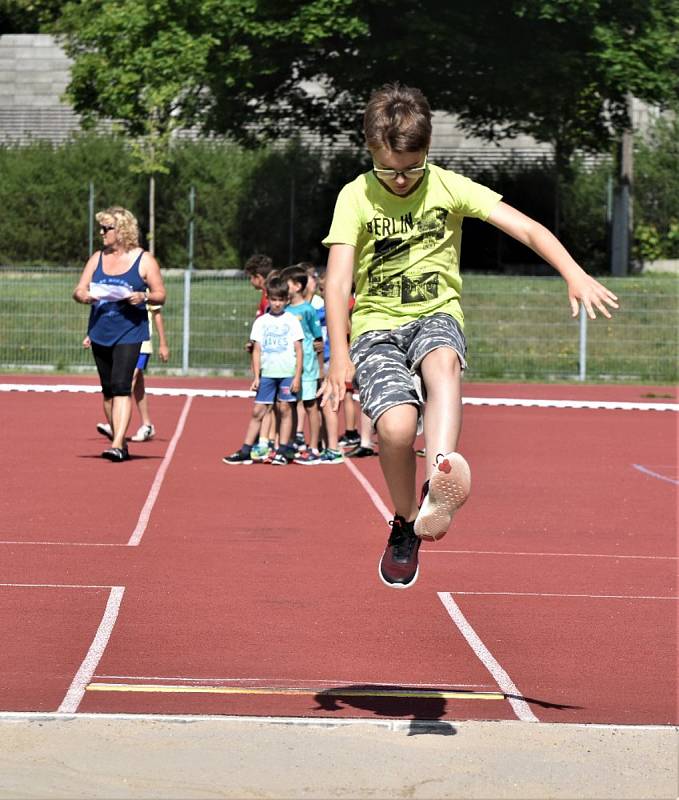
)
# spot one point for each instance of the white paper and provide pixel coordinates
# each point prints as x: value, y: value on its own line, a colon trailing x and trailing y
x: 109, y: 291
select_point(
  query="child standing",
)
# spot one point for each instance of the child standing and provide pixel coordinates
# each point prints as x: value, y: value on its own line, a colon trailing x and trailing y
x: 277, y: 364
x: 297, y: 278
x: 396, y: 232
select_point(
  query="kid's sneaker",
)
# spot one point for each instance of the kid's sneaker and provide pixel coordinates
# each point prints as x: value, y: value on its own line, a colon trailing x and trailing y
x: 260, y: 452
x: 238, y: 457
x: 331, y: 457
x: 144, y: 433
x: 399, y: 566
x: 307, y: 457
x: 349, y: 439
x: 446, y: 491
x: 278, y: 460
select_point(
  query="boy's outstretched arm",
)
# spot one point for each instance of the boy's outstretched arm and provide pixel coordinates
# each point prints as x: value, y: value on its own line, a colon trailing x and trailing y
x: 338, y: 280
x: 582, y: 288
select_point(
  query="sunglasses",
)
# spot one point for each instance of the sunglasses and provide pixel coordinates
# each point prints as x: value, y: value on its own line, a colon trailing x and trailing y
x: 106, y: 228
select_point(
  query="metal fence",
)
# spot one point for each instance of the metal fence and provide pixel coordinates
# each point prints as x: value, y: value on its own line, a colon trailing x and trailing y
x: 518, y: 328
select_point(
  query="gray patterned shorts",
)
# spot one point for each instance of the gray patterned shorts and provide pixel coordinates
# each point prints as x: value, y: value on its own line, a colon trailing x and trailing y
x: 387, y: 362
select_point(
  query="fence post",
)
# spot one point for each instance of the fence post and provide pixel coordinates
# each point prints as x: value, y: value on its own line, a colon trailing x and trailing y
x: 192, y: 210
x: 187, y: 322
x: 583, y: 343
x: 90, y: 214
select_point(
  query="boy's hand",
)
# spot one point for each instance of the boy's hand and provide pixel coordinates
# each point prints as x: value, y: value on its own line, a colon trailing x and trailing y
x: 334, y: 386
x: 249, y: 345
x: 295, y: 385
x: 592, y: 294
x: 254, y: 385
x: 318, y: 346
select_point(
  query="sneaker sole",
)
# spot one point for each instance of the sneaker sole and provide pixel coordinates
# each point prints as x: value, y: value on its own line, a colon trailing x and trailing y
x: 108, y: 435
x: 397, y: 585
x: 449, y: 489
x: 236, y: 463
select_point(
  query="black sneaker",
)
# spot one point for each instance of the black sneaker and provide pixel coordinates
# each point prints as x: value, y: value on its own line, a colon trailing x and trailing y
x: 238, y: 457
x: 349, y: 439
x: 116, y: 454
x: 398, y: 566
x: 361, y: 452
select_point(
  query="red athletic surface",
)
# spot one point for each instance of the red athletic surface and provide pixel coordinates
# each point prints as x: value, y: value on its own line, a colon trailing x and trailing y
x: 563, y: 562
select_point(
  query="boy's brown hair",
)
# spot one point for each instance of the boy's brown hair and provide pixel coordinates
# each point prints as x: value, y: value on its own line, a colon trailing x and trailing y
x: 276, y: 286
x: 258, y: 264
x: 296, y: 273
x: 397, y: 118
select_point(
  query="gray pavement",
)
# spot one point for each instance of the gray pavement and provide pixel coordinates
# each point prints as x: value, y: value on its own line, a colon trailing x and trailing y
x: 110, y: 757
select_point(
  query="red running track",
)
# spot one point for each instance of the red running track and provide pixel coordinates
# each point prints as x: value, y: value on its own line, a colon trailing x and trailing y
x: 177, y: 584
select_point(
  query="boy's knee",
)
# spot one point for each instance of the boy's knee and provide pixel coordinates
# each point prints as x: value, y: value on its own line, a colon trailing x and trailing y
x: 398, y: 426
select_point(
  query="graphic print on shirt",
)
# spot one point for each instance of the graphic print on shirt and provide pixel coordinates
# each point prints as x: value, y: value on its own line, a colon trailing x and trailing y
x: 276, y: 338
x: 390, y: 273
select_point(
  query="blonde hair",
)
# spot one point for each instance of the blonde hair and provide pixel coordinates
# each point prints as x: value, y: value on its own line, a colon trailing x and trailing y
x: 397, y: 118
x: 126, y: 225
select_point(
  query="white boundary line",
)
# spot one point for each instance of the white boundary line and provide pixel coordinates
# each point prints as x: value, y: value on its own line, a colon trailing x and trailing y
x: 472, y: 401
x: 521, y: 708
x: 76, y: 691
x: 160, y: 477
x: 657, y: 475
x: 557, y: 594
x: 555, y: 555
x: 308, y: 722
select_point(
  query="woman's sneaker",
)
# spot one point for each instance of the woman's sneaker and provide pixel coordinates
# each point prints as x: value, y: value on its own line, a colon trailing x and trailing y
x: 105, y: 430
x: 399, y: 566
x: 349, y: 439
x: 116, y: 454
x: 144, y: 433
x: 446, y: 491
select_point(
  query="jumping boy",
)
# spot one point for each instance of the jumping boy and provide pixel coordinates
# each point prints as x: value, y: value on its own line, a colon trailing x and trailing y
x: 277, y: 364
x: 396, y: 232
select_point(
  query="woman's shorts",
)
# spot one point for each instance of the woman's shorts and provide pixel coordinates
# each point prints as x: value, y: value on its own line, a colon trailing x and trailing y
x: 387, y: 362
x: 272, y: 389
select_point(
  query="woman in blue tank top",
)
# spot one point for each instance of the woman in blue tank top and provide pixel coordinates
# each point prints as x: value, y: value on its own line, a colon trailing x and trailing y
x: 117, y: 282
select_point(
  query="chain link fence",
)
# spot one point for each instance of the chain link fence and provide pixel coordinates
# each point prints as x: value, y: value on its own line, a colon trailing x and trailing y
x: 518, y: 328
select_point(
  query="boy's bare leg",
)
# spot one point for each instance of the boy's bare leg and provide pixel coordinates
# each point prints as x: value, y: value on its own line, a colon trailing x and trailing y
x: 449, y: 479
x: 396, y: 429
x: 259, y: 413
x: 285, y: 429
x: 331, y: 419
x: 442, y: 377
x: 314, y: 416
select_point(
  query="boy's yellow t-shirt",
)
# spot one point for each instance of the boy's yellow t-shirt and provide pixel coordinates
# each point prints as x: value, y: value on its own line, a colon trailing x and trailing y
x: 407, y: 261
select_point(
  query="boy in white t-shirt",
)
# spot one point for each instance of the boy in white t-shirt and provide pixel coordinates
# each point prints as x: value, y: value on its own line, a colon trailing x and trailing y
x: 277, y: 361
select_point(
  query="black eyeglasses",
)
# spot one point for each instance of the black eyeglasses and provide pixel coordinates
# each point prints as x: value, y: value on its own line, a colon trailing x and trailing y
x: 106, y: 228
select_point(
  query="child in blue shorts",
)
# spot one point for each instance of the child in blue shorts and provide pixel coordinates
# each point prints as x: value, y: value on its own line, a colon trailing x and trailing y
x: 277, y: 363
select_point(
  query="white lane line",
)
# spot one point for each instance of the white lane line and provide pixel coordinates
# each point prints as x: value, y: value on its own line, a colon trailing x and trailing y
x: 371, y: 492
x: 588, y: 596
x: 160, y: 476
x: 67, y: 544
x: 657, y: 475
x: 55, y: 586
x: 521, y: 708
x: 514, y: 696
x: 556, y: 555
x: 76, y: 691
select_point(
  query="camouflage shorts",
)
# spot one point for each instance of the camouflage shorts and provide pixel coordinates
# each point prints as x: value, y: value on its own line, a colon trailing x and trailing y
x: 387, y: 362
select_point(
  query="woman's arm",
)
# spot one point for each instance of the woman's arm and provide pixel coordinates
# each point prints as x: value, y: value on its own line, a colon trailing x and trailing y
x: 81, y: 293
x: 150, y: 272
